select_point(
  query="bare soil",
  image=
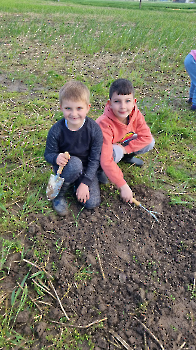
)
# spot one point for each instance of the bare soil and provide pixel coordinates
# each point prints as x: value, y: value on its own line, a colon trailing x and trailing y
x: 116, y: 264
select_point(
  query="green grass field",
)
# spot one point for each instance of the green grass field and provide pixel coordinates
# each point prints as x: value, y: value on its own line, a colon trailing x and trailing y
x: 46, y: 43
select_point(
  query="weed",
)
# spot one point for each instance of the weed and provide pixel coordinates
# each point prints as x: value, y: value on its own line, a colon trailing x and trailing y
x: 191, y: 288
x: 79, y: 253
x: 77, y: 216
x: 182, y: 246
x: 59, y: 247
x: 2, y: 207
x: 142, y: 308
x: 83, y: 274
x: 54, y: 266
x: 16, y: 302
x: 10, y: 338
x: 65, y: 340
x: 7, y: 247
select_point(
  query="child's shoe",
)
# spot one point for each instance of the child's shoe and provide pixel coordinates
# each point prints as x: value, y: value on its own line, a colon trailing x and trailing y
x: 59, y: 203
x: 129, y: 158
x: 193, y: 107
x: 60, y: 206
x: 189, y: 100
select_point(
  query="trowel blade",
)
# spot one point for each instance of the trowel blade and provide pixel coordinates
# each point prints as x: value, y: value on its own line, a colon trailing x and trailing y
x: 54, y: 185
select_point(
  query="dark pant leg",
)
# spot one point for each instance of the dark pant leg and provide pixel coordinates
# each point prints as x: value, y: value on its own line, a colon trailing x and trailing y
x: 95, y: 198
x: 146, y: 148
x: 94, y: 190
x: 72, y: 171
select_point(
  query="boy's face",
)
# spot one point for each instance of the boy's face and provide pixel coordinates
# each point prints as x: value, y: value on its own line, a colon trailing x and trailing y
x: 122, y: 105
x: 74, y: 112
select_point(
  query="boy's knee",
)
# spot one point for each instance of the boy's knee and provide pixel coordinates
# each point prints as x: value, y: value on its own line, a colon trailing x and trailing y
x: 95, y: 197
x: 151, y: 145
x: 147, y: 148
x: 91, y: 204
x: 73, y: 169
x: 117, y: 153
x: 75, y: 164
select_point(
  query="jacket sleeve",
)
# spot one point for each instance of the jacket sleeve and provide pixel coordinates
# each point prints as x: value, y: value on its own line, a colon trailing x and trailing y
x: 52, y: 147
x: 111, y: 169
x: 144, y: 136
x: 94, y: 154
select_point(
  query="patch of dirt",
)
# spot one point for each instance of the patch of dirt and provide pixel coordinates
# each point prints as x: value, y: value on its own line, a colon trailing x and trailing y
x: 116, y: 264
x: 16, y: 85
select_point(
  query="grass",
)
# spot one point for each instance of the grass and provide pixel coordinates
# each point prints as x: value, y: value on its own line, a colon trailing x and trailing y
x: 9, y: 337
x: 44, y: 44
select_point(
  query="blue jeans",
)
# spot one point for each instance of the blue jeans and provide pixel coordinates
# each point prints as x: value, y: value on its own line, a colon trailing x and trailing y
x: 190, y: 65
x: 118, y: 151
x: 72, y: 173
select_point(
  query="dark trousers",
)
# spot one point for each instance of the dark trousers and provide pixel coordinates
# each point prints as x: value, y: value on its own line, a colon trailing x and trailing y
x: 72, y: 173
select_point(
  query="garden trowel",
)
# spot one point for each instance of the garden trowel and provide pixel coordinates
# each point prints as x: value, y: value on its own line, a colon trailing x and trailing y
x: 55, y: 182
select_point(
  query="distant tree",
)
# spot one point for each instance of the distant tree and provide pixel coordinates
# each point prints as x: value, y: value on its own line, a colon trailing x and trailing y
x: 140, y: 3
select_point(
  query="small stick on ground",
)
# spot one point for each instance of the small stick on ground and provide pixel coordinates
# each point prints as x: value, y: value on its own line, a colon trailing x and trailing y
x: 69, y: 287
x: 146, y: 328
x: 115, y: 344
x: 120, y: 339
x: 152, y: 226
x: 48, y: 275
x: 145, y: 341
x: 40, y: 286
x: 75, y: 326
x: 182, y: 346
x: 116, y: 267
x: 2, y: 297
x: 47, y: 259
x: 42, y: 302
x: 40, y: 282
x: 192, y: 318
x: 59, y: 300
x: 100, y: 264
x: 3, y: 278
x: 130, y: 166
x: 38, y: 267
x: 98, y: 256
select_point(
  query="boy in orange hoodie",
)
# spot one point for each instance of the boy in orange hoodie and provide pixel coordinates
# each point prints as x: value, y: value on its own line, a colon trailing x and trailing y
x: 125, y: 134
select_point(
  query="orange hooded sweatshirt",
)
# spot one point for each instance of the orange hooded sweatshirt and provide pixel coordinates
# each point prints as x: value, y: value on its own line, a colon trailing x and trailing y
x: 114, y: 132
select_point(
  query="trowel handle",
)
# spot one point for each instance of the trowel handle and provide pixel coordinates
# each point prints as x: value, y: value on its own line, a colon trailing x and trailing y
x: 60, y: 169
x: 136, y: 202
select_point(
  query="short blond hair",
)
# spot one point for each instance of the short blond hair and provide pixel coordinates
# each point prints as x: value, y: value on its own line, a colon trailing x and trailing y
x: 75, y: 91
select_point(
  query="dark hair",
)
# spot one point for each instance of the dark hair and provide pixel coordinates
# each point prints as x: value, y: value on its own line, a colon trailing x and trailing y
x: 121, y: 87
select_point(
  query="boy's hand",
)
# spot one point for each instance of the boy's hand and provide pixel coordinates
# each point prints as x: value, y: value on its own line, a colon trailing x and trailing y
x: 126, y: 193
x: 82, y: 193
x: 62, y: 159
x: 123, y: 148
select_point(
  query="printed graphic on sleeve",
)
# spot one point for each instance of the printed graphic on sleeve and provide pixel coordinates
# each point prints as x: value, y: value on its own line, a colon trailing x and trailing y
x: 127, y: 138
